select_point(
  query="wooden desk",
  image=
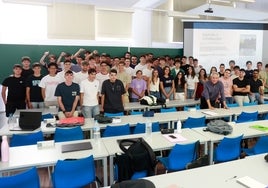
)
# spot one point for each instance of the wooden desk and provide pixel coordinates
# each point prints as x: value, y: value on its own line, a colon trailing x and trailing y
x: 28, y: 156
x: 221, y: 175
x: 156, y: 141
x: 238, y: 129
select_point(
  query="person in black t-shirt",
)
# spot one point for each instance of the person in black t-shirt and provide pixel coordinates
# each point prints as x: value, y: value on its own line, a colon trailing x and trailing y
x: 16, y: 96
x: 26, y: 67
x: 256, y: 88
x: 241, y: 88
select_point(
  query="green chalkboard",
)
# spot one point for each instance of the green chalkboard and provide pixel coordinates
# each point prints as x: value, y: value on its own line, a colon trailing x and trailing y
x: 157, y: 51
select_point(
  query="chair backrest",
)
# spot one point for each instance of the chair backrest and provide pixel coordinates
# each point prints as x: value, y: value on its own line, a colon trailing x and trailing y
x: 74, y: 173
x: 136, y: 112
x: 116, y: 130
x: 192, y: 122
x: 232, y: 105
x: 188, y: 108
x: 114, y: 114
x: 181, y: 155
x: 68, y: 134
x: 140, y: 128
x: 250, y: 103
x: 228, y: 149
x: 25, y: 179
x: 26, y: 139
x: 164, y: 110
x: 247, y: 116
x: 261, y: 145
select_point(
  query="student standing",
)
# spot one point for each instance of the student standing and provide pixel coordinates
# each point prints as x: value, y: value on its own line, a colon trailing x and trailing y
x: 241, y: 88
x: 16, y: 96
x: 67, y: 94
x: 138, y: 87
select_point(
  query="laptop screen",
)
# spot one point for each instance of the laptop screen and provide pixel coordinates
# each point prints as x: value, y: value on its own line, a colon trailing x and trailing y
x: 29, y: 120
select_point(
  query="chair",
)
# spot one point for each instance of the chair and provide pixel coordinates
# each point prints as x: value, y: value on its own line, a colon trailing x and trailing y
x: 179, y: 157
x: 232, y: 105
x: 192, y: 122
x: 116, y: 130
x: 140, y: 128
x: 74, y: 173
x: 26, y: 139
x: 228, y: 149
x: 247, y: 116
x: 68, y: 134
x: 189, y: 108
x: 250, y: 103
x: 261, y: 146
x: 136, y: 112
x: 164, y: 110
x: 114, y: 114
x: 25, y: 179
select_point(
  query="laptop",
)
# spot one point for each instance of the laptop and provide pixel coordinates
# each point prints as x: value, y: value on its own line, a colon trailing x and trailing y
x: 29, y: 120
x: 76, y: 147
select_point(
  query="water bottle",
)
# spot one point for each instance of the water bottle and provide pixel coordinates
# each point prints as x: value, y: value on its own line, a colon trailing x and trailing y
x: 179, y: 126
x: 148, y: 127
x: 4, y: 149
x: 96, y: 131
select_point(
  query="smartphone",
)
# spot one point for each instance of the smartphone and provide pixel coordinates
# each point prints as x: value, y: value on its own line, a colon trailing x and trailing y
x: 172, y: 136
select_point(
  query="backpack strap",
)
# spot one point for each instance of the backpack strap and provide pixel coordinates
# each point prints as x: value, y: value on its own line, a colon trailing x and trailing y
x: 150, y: 152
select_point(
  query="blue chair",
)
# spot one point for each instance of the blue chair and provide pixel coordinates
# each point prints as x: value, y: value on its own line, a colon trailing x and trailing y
x: 26, y: 139
x: 192, y: 122
x: 188, y: 108
x: 114, y: 114
x: 116, y: 130
x: 247, y: 116
x: 136, y: 113
x: 25, y: 179
x: 228, y: 149
x: 261, y: 146
x: 140, y: 128
x: 68, y: 134
x: 164, y: 110
x: 232, y: 105
x: 74, y: 173
x: 250, y: 103
x: 179, y: 157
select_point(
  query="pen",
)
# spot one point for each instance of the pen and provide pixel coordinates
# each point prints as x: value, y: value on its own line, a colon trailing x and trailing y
x: 230, y: 178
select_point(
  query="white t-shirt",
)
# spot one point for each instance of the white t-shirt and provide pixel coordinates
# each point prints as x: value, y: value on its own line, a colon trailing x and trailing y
x: 49, y: 83
x: 140, y: 67
x: 80, y: 76
x: 147, y: 72
x: 101, y: 78
x: 90, y: 90
x: 61, y: 76
x: 191, y: 81
x: 130, y: 71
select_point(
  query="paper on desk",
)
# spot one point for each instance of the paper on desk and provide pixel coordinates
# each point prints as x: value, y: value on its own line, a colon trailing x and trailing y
x: 259, y: 127
x: 250, y: 182
x: 210, y: 113
x: 178, y: 138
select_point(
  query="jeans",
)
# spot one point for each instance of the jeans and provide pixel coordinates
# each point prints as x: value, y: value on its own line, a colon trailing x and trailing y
x: 229, y: 100
x: 90, y: 111
x: 155, y: 93
x: 190, y: 93
x: 167, y: 89
x: 256, y: 97
x: 38, y: 104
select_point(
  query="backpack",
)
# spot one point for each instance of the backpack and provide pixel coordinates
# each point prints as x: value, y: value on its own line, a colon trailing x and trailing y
x: 103, y: 119
x: 219, y: 127
x: 139, y: 183
x: 149, y: 100
x: 139, y: 156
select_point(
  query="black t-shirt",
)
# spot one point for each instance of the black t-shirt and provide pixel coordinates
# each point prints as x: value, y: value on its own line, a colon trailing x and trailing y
x: 35, y: 91
x: 26, y: 73
x: 167, y: 82
x: 240, y: 84
x: 185, y: 68
x: 16, y: 89
x: 113, y: 96
x: 249, y: 74
x: 255, y: 85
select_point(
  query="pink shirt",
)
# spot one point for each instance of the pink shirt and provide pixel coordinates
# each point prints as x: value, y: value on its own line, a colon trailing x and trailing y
x: 228, y: 86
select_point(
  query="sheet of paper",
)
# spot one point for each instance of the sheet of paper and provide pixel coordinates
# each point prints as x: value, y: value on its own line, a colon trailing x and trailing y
x: 250, y: 182
x: 210, y: 113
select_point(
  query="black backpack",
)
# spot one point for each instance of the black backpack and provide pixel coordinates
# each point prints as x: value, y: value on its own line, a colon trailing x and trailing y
x: 138, y: 156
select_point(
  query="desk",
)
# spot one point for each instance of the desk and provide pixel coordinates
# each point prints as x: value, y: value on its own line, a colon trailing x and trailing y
x: 156, y: 141
x: 27, y: 156
x: 238, y: 129
x: 216, y: 176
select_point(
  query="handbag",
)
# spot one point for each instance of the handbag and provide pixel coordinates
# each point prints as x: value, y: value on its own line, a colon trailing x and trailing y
x: 148, y: 113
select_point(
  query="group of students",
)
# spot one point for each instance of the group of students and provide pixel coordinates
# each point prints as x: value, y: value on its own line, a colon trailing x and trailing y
x: 88, y: 79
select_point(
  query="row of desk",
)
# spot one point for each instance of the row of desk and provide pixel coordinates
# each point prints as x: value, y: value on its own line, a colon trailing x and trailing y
x: 27, y: 156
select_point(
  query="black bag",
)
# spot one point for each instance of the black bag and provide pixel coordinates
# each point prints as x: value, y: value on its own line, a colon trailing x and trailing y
x: 161, y: 101
x: 148, y: 113
x: 200, y: 161
x: 103, y: 119
x: 148, y: 100
x: 139, y: 183
x: 138, y: 156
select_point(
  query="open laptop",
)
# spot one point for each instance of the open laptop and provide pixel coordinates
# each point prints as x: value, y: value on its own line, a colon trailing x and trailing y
x: 29, y: 120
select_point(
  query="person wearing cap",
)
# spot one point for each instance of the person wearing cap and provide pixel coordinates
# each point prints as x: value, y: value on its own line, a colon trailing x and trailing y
x: 48, y: 85
x: 249, y: 70
x: 241, y: 88
x: 256, y: 88
x: 33, y: 91
x: 67, y: 94
x: 16, y: 95
x: 112, y: 92
x: 26, y: 67
x: 83, y: 74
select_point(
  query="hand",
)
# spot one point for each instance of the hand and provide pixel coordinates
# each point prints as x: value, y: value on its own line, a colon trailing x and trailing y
x: 62, y: 54
x: 46, y: 53
x: 211, y: 108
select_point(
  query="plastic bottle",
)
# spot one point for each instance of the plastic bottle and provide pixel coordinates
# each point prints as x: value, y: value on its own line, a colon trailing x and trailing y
x: 148, y: 127
x: 4, y: 149
x: 96, y: 131
x: 179, y: 126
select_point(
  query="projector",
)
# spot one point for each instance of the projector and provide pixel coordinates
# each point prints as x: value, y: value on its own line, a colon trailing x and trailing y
x: 209, y: 10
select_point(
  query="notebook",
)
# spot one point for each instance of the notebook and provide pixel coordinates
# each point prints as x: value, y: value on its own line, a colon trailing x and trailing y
x: 76, y: 147
x: 29, y: 120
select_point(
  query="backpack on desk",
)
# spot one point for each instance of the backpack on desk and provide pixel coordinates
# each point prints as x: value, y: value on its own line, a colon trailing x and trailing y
x: 219, y: 127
